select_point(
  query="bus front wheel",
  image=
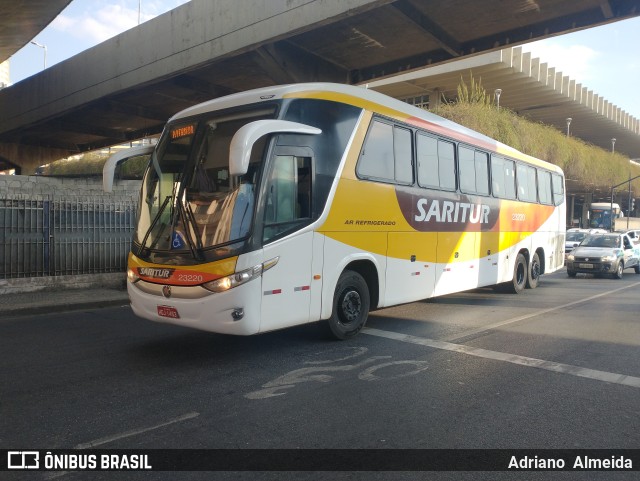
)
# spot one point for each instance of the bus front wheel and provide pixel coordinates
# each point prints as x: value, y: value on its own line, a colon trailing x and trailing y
x: 350, y: 305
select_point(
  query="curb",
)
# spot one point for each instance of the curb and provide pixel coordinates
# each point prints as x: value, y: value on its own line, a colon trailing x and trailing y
x: 49, y: 308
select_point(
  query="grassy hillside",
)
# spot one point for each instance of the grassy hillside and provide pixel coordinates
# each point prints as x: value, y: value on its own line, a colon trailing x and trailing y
x: 91, y: 164
x: 580, y: 161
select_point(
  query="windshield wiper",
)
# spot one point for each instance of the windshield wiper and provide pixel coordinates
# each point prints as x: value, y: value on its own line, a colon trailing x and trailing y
x: 190, y: 222
x: 194, y: 225
x: 153, y: 224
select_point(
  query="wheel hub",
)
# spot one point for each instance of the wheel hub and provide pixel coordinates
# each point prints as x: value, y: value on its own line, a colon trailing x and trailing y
x: 535, y: 270
x: 351, y: 306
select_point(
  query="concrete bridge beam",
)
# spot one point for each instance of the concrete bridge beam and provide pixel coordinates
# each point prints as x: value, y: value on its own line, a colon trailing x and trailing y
x: 27, y: 158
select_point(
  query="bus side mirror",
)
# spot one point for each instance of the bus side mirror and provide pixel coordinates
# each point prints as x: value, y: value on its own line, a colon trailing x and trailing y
x: 109, y: 168
x: 247, y: 135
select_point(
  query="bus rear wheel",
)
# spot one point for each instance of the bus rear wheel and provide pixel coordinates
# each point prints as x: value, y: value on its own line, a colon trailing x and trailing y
x: 520, y: 275
x: 350, y: 305
x: 534, y: 272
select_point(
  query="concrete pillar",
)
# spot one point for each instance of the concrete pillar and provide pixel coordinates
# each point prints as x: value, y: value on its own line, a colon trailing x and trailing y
x: 435, y: 98
x: 572, y: 210
x: 588, y: 199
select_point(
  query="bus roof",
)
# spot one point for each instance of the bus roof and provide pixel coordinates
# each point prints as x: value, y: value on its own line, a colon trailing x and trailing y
x: 604, y: 205
x: 370, y: 100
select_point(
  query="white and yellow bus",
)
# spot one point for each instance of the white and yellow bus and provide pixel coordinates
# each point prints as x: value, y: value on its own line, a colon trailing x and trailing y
x: 293, y: 204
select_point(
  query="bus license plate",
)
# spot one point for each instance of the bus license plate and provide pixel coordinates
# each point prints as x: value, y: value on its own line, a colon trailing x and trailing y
x: 585, y: 266
x: 168, y: 311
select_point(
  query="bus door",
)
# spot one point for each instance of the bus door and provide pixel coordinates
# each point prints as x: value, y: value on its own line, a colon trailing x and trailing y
x: 290, y: 295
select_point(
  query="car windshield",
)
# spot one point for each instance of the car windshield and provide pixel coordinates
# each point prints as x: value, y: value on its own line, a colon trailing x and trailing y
x: 610, y: 241
x: 576, y: 236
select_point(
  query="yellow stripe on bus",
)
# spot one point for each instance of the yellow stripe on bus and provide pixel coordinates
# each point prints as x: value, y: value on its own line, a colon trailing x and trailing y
x: 182, y: 275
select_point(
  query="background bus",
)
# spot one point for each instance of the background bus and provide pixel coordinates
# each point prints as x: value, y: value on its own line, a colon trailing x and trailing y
x: 293, y: 204
x: 600, y: 215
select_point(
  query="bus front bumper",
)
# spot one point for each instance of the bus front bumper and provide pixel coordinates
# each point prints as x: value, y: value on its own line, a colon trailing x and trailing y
x: 236, y: 311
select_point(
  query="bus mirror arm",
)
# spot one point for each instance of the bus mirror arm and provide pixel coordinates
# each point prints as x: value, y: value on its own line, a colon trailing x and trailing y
x: 243, y: 140
x: 109, y: 169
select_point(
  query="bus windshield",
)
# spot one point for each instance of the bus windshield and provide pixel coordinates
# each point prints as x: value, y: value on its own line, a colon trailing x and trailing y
x: 189, y: 202
x: 601, y: 218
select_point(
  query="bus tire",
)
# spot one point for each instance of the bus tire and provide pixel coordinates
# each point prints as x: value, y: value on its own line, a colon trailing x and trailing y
x: 636, y: 268
x: 350, y: 306
x: 533, y: 276
x: 520, y: 275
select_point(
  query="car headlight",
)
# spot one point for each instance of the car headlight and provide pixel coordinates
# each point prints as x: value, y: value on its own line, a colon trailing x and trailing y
x: 237, y: 279
x: 609, y: 258
x: 570, y: 257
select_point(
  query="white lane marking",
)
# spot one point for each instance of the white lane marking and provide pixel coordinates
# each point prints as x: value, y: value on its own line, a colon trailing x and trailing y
x: 471, y: 332
x: 134, y: 432
x: 512, y: 358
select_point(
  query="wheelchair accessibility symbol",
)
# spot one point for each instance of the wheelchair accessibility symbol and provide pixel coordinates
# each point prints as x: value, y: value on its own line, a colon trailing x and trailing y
x: 177, y: 241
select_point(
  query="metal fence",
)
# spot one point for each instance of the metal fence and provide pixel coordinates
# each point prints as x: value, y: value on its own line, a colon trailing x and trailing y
x: 51, y: 236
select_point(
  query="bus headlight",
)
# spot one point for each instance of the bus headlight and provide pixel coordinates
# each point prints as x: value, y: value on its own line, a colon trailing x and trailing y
x: 239, y: 278
x: 132, y: 277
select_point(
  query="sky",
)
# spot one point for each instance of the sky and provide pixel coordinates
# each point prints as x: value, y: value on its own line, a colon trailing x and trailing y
x: 605, y: 59
x: 83, y: 24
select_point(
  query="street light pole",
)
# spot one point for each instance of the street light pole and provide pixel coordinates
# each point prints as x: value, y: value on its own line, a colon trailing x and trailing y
x: 498, y: 92
x: 569, y: 119
x: 33, y: 42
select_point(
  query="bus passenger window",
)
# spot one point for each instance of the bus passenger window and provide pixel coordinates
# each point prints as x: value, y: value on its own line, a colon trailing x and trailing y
x: 403, y: 155
x: 558, y: 189
x: 509, y: 180
x: 446, y: 165
x: 473, y: 168
x: 467, y: 170
x: 427, y: 155
x: 387, y: 154
x: 526, y: 180
x: 544, y: 187
x: 377, y: 156
x: 436, y: 163
x: 502, y: 177
x: 482, y: 172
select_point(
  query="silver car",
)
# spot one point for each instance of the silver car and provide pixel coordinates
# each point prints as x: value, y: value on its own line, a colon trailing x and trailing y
x: 575, y: 236
x: 604, y: 254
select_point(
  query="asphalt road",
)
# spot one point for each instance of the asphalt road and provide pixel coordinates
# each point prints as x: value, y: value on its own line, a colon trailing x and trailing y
x: 555, y: 367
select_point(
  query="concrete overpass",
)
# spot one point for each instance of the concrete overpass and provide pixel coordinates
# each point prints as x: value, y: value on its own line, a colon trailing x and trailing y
x: 126, y: 87
x: 22, y: 20
x: 531, y: 88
